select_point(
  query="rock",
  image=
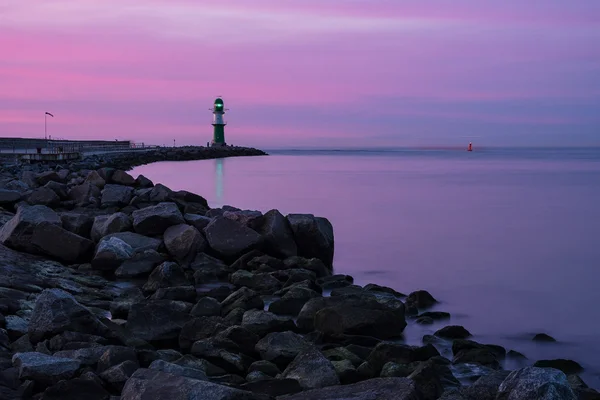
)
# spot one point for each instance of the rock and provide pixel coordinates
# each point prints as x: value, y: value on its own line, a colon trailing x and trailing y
x: 143, y: 182
x: 278, y: 235
x: 122, y: 178
x: 16, y: 327
x: 341, y: 354
x: 9, y: 197
x: 116, y: 196
x: 95, y: 179
x: 292, y: 301
x: 273, y: 387
x: 282, y: 347
x: 566, y: 366
x: 44, y: 369
x: 244, y: 298
x: 155, y: 220
x: 76, y: 389
x: 117, y: 375
x: 262, y: 322
x: 115, y: 355
x: 371, y: 287
x: 313, y: 264
x: 208, y: 269
x: 313, y: 236
x: 312, y: 370
x: 200, y: 328
x: 166, y: 275
x: 231, y: 239
x: 535, y: 383
x: 206, y: 307
x: 60, y: 189
x: 158, y: 385
x: 44, y: 196
x: 223, y: 353
x: 262, y: 283
x: 141, y: 263
x: 266, y: 367
x: 78, y: 223
x: 209, y: 369
x: 16, y: 185
x: 197, y: 221
x: 257, y: 376
x: 428, y: 380
x: 178, y: 370
x: 244, y: 339
x: 453, y: 332
x: 47, y: 176
x: 485, y: 388
x: 542, y: 337
x: 467, y: 351
x: 378, y: 388
x: 420, y: 299
x: 350, y: 320
x: 335, y: 281
x: 106, y: 224
x: 179, y: 293
x: 346, y: 372
x: 56, y: 311
x: 18, y: 232
x: 392, y: 369
x: 157, y: 320
x: 399, y: 353
x: 183, y: 242
x: 111, y: 253
x: 136, y: 241
x: 56, y: 242
x: 515, y: 355
x: 84, y: 194
x: 435, y: 315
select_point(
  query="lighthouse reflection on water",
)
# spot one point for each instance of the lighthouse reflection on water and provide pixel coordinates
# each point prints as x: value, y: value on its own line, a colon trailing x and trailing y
x: 219, y: 181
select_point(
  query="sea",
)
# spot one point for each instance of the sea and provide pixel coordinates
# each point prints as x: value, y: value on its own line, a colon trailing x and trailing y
x: 507, y: 239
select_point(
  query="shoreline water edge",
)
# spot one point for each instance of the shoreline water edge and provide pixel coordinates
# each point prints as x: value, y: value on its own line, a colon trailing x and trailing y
x: 112, y: 286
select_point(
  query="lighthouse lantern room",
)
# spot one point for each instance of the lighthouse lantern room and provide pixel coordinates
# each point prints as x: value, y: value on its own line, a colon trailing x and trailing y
x: 218, y: 123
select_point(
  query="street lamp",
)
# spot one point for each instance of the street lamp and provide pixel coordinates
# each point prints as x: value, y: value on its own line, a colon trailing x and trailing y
x: 46, y: 124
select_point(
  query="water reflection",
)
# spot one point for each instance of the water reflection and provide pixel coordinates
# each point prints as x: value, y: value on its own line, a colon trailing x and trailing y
x: 219, y: 180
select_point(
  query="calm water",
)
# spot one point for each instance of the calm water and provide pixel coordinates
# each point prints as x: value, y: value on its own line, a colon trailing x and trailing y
x: 507, y: 240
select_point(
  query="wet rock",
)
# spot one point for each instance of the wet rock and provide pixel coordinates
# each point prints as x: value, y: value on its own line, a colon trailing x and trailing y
x: 420, y: 299
x: 156, y: 320
x: 468, y: 351
x: 262, y: 322
x: 312, y: 370
x: 313, y: 264
x: 106, y: 224
x: 47, y: 176
x: 56, y: 242
x: 542, y: 337
x: 158, y: 385
x: 581, y: 390
x: 313, y: 236
x: 435, y: 315
x: 222, y: 353
x: 378, y: 388
x: 18, y: 232
x: 111, y: 254
x: 566, y: 366
x: 115, y: 355
x: 143, y: 182
x: 292, y: 301
x: 392, y: 369
x: 278, y: 235
x: 399, y: 353
x: 207, y: 268
x: 155, y: 220
x: 78, y: 223
x: 116, y: 196
x: 168, y: 274
x: 206, y: 307
x: 16, y: 327
x: 335, y: 281
x: 371, y: 287
x: 183, y: 242
x: 84, y: 194
x: 265, y: 367
x: 179, y: 293
x: 122, y: 178
x: 535, y: 383
x: 428, y: 380
x: 243, y: 298
x: 46, y: 370
x: 453, y: 332
x: 56, y: 311
x: 244, y: 339
x: 209, y: 369
x: 178, y: 370
x: 141, y: 263
x: 484, y: 388
x: 515, y: 355
x: 231, y: 239
x: 76, y: 389
x: 346, y: 372
x: 257, y: 376
x: 261, y: 283
x: 341, y: 354
x: 282, y: 347
x: 117, y: 375
x: 60, y: 189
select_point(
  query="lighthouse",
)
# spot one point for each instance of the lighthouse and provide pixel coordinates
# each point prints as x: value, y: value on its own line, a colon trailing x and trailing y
x: 218, y: 123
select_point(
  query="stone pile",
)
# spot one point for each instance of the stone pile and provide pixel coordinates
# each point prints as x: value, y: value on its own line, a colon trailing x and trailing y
x: 113, y: 287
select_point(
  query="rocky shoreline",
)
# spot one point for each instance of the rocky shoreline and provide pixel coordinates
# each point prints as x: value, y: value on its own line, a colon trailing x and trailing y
x: 113, y: 287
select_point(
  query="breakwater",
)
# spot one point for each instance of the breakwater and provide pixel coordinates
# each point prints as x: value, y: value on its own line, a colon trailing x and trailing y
x: 114, y: 285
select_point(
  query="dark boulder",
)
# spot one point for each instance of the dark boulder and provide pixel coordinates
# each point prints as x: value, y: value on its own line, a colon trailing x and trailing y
x: 197, y: 221
x: 535, y: 383
x: 311, y: 264
x: 76, y: 389
x: 371, y: 287
x: 262, y: 322
x: 166, y: 275
x: 453, y: 332
x: 136, y: 241
x: 292, y: 301
x: 9, y: 197
x: 206, y: 307
x: 44, y: 369
x: 272, y: 387
x: 122, y: 178
x: 18, y: 232
x: 44, y: 197
x: 106, y: 224
x: 111, y: 254
x: 278, y: 235
x: 141, y: 263
x: 230, y: 239
x: 244, y: 298
x: 59, y: 243
x: 200, y: 328
x: 378, y: 388
x: 95, y: 179
x: 261, y: 283
x: 157, y: 320
x: 78, y: 223
x: 383, y: 324
x: 178, y: 370
x: 399, y: 353
x: 183, y: 242
x: 266, y: 367
x: 116, y: 196
x: 117, y: 375
x: 143, y: 182
x: 567, y: 366
x: 420, y: 299
x: 312, y: 370
x: 61, y: 190
x: 84, y: 194
x: 313, y: 236
x: 542, y: 337
x: 155, y: 220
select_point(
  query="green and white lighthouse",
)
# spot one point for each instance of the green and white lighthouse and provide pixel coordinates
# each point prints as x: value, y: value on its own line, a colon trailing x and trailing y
x: 218, y: 123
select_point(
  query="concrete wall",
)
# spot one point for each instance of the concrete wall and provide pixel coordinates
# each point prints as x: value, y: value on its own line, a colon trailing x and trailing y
x: 24, y: 145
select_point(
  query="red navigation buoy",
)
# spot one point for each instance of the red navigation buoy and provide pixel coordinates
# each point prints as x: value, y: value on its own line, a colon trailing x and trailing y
x: 470, y: 147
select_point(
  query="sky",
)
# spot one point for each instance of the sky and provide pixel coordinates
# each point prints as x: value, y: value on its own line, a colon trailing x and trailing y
x: 304, y: 73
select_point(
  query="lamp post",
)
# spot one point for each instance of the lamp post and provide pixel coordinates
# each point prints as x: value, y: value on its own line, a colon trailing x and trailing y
x: 46, y: 124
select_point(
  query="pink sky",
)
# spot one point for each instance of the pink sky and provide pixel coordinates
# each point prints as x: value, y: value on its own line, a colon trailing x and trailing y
x: 303, y: 73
